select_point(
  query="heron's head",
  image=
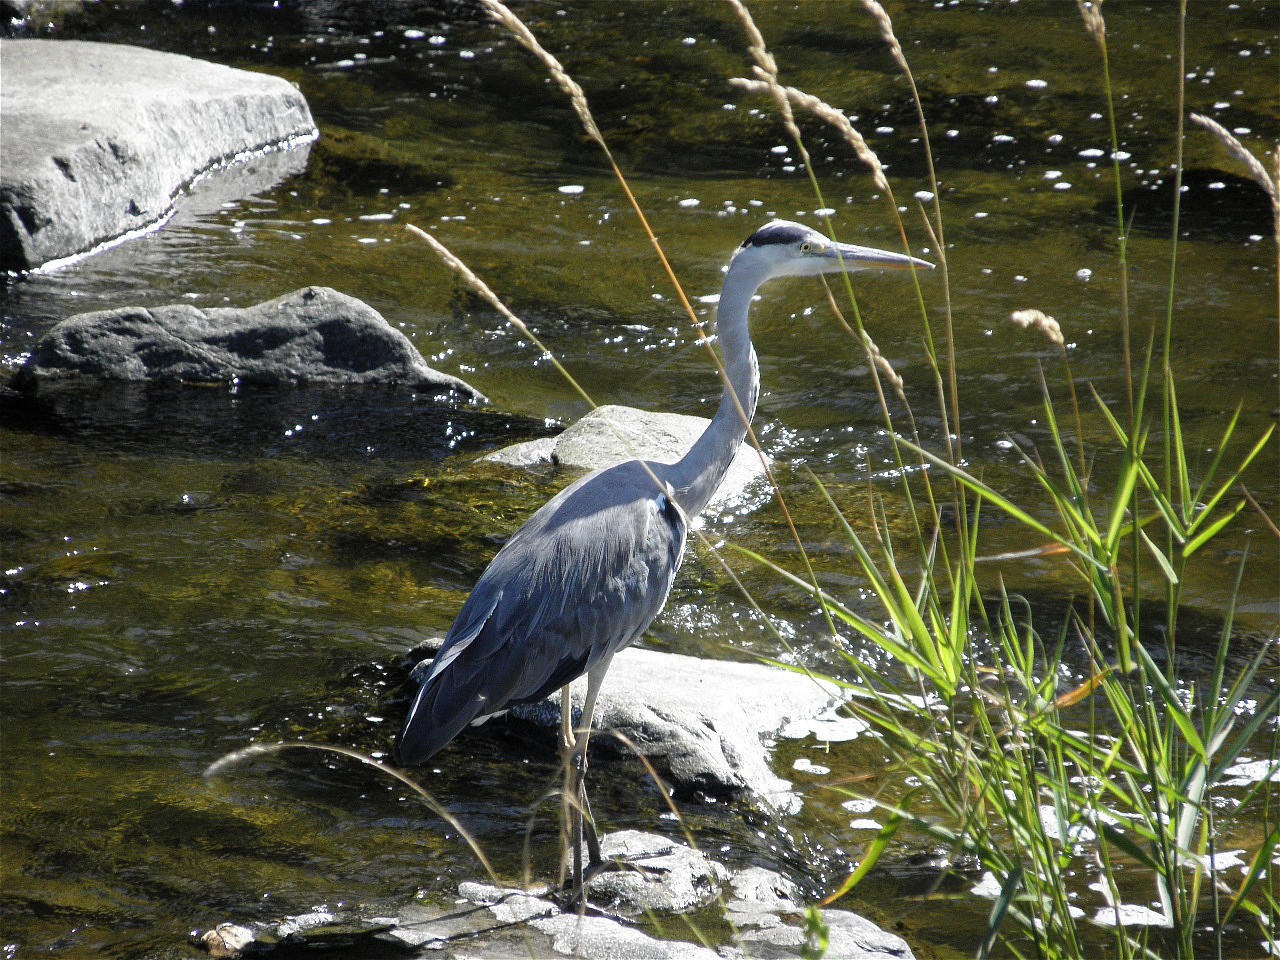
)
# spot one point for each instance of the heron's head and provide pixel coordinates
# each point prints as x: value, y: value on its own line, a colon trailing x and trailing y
x: 782, y: 248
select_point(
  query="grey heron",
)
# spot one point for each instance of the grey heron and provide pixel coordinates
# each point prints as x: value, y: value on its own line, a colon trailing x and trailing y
x: 588, y: 572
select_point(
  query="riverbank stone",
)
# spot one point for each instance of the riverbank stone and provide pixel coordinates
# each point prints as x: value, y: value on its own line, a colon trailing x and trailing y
x: 311, y: 336
x: 611, y: 434
x: 100, y: 138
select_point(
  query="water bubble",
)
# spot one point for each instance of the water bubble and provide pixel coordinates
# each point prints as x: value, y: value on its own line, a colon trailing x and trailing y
x: 1002, y: 138
x: 1084, y: 273
x: 1037, y: 84
x: 1062, y: 185
x: 571, y: 189
x: 690, y: 202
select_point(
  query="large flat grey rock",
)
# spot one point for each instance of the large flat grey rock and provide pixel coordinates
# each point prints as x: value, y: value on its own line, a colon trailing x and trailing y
x: 313, y: 335
x: 611, y: 434
x: 708, y: 725
x: 100, y: 138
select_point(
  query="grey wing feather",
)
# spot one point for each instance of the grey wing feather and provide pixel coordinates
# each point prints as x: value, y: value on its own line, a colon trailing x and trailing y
x: 584, y: 577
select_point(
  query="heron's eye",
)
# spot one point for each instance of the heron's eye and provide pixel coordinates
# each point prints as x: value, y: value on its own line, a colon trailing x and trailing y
x: 806, y: 246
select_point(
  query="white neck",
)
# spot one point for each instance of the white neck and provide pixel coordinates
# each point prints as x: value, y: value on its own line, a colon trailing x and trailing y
x: 697, y: 475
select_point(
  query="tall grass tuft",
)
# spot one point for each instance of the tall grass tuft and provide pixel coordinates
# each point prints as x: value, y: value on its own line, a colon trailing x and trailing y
x: 1117, y: 777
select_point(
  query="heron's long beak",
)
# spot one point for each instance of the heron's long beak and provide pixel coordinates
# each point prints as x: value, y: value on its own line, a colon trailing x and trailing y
x: 842, y: 257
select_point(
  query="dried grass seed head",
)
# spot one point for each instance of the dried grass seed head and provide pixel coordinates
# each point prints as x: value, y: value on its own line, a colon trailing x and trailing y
x: 1091, y: 13
x: 885, y: 24
x: 500, y: 12
x: 1257, y: 170
x: 825, y: 111
x: 1037, y: 320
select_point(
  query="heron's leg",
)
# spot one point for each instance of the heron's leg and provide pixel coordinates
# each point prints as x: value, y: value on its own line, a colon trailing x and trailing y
x: 566, y: 813
x: 595, y: 677
x: 583, y: 825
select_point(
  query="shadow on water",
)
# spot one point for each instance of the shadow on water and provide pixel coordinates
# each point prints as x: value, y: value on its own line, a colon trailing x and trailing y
x: 314, y: 422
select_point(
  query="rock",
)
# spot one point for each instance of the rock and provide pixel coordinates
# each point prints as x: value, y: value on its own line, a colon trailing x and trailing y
x: 313, y: 335
x: 765, y: 916
x: 611, y: 434
x: 703, y: 723
x: 226, y: 940
x: 675, y: 878
x: 764, y: 901
x: 100, y: 138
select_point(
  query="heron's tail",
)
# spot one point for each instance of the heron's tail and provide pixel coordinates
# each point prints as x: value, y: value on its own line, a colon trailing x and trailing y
x: 434, y: 718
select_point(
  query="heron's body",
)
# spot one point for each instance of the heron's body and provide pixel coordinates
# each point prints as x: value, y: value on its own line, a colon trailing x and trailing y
x: 589, y: 571
x: 524, y: 631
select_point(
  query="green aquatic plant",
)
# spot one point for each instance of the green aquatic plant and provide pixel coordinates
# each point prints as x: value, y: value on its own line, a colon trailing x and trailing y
x: 1038, y: 783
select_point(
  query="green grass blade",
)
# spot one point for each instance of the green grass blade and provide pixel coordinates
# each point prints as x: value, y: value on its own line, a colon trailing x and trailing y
x: 1165, y: 567
x: 1259, y: 866
x: 869, y: 860
x: 1123, y: 498
x: 1209, y: 532
x: 1008, y: 892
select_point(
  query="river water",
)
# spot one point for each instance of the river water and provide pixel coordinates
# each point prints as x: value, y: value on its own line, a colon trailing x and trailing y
x: 186, y: 571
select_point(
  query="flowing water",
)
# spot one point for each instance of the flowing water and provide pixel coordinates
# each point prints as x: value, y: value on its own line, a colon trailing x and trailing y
x: 188, y: 570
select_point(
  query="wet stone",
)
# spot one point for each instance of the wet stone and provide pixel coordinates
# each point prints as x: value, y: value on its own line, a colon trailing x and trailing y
x: 313, y: 335
x: 504, y: 922
x: 655, y: 875
x: 99, y: 139
x: 706, y: 725
x: 611, y: 434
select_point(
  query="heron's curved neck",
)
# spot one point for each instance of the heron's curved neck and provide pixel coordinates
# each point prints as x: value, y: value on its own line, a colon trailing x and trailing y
x: 697, y: 475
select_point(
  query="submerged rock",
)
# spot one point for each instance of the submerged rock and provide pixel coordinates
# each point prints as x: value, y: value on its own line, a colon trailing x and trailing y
x: 313, y: 335
x: 99, y: 138
x: 612, y: 434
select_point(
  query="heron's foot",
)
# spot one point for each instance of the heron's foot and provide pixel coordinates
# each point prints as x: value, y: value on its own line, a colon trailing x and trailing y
x: 572, y: 895
x: 628, y: 863
x: 570, y: 899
